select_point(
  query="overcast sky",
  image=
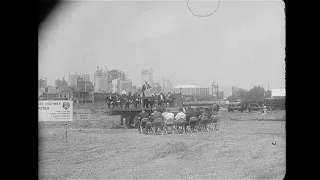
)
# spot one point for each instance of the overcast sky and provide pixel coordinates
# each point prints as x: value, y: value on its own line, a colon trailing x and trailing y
x: 241, y: 44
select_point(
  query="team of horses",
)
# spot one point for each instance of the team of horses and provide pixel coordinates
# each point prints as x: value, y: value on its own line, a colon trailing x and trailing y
x: 115, y: 100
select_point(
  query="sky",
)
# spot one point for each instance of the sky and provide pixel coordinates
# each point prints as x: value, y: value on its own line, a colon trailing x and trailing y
x: 242, y: 44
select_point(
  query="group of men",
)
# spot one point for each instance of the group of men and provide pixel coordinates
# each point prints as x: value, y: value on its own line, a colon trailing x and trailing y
x: 160, y: 99
x: 117, y: 100
x: 167, y: 114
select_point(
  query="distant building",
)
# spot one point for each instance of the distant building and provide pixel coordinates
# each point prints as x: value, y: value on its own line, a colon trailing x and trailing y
x: 204, y: 91
x: 103, y: 79
x: 147, y: 75
x: 157, y: 88
x: 191, y: 90
x: 81, y: 83
x: 125, y: 85
x: 187, y: 89
x: 42, y: 83
x: 73, y: 79
x: 86, y: 77
x: 119, y: 85
x: 134, y: 89
x: 81, y: 97
x: 97, y: 76
x: 61, y: 84
x: 166, y: 85
x: 278, y: 93
x: 88, y: 87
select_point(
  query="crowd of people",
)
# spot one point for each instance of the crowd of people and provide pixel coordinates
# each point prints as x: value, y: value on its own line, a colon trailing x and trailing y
x: 166, y: 115
x: 115, y: 100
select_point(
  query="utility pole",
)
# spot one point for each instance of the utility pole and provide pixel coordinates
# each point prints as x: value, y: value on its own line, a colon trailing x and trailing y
x: 217, y: 92
x: 212, y: 90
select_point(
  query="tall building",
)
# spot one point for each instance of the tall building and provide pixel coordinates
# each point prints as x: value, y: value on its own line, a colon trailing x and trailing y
x: 73, y: 79
x: 103, y: 85
x: 147, y: 75
x: 96, y: 82
x: 86, y: 77
x: 125, y: 85
x: 42, y: 83
x: 119, y: 85
x: 103, y: 79
x: 89, y: 87
x: 81, y: 83
x: 157, y: 88
x: 166, y: 85
x: 61, y: 84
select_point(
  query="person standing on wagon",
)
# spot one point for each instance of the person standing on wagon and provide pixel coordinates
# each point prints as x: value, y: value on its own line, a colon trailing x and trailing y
x: 145, y: 87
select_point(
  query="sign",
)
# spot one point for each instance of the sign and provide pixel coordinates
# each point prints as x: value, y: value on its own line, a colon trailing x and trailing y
x: 55, y: 110
x: 84, y: 114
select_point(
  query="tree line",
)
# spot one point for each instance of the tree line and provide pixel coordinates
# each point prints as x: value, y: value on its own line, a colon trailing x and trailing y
x: 256, y: 94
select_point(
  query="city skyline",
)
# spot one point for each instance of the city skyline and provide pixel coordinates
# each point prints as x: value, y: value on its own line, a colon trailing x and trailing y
x: 239, y: 40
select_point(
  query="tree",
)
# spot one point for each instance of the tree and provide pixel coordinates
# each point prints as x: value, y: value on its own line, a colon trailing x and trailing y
x: 240, y: 94
x: 256, y: 94
x: 268, y: 94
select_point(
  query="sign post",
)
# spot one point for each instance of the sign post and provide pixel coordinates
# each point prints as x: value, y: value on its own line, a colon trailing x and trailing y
x: 84, y: 114
x: 53, y: 111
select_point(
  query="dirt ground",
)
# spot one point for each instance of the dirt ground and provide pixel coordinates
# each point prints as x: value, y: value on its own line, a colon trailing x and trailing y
x: 241, y: 149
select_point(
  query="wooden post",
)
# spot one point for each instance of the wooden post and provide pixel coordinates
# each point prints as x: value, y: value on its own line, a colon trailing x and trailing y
x: 66, y: 136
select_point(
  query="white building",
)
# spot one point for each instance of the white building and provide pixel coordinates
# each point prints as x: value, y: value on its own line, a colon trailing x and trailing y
x: 278, y: 93
x: 186, y: 89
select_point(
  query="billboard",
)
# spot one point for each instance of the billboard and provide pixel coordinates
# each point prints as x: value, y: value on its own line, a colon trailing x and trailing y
x: 55, y: 110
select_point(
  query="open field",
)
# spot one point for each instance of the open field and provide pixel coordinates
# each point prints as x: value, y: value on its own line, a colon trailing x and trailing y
x: 242, y: 149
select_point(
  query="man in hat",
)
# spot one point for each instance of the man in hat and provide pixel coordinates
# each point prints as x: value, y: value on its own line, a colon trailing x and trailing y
x: 145, y: 87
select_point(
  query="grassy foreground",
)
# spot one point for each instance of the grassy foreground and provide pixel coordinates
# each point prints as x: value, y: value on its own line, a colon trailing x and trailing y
x: 240, y: 150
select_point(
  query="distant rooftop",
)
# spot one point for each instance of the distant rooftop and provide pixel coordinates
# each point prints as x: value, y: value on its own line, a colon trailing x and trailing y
x: 186, y: 86
x: 278, y: 92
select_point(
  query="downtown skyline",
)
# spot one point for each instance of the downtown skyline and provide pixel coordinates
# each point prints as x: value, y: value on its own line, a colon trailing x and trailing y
x: 242, y: 44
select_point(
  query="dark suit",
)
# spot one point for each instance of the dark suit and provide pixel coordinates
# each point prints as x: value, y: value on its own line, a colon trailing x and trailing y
x: 191, y: 113
x: 155, y: 116
x: 202, y: 115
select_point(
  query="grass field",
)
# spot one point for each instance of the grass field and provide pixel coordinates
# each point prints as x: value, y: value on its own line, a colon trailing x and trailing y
x: 242, y: 149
